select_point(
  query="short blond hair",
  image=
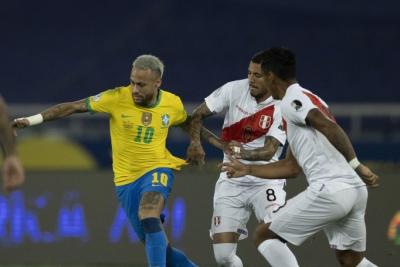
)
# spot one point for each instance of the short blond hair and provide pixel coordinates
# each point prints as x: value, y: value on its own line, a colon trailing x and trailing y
x: 149, y: 62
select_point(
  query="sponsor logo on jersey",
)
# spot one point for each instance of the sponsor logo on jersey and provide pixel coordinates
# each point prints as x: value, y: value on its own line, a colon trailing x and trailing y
x: 296, y: 104
x: 165, y: 120
x: 146, y: 118
x: 265, y: 121
x: 248, y: 134
x: 126, y: 116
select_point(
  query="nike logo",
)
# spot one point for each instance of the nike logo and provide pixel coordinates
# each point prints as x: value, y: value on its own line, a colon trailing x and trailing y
x: 126, y: 116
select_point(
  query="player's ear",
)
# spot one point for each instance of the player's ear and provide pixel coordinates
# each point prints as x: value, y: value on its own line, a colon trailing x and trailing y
x: 158, y: 83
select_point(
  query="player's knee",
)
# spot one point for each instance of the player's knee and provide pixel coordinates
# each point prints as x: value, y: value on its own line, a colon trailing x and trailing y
x: 348, y: 258
x: 224, y: 253
x: 262, y: 233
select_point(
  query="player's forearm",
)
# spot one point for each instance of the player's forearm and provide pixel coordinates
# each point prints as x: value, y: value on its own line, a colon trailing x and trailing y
x: 211, y: 138
x: 63, y: 110
x: 196, y: 123
x: 258, y: 154
x: 282, y: 169
x: 6, y: 137
x: 339, y: 139
x: 263, y: 153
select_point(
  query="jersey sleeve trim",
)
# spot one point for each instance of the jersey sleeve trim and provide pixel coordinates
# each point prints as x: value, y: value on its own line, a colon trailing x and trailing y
x: 88, y: 107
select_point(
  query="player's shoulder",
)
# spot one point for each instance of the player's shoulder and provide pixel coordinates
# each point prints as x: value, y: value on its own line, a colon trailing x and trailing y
x: 119, y: 90
x: 295, y: 91
x: 170, y: 98
x: 168, y: 94
x: 294, y: 98
x: 237, y: 84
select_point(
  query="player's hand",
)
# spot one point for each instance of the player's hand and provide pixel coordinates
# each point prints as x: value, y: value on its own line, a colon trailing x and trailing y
x: 13, y: 173
x: 20, y: 123
x: 235, y: 149
x: 234, y: 168
x: 370, y: 178
x: 195, y: 154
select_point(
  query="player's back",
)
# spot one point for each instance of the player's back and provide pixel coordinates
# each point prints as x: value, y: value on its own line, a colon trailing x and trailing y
x: 319, y: 159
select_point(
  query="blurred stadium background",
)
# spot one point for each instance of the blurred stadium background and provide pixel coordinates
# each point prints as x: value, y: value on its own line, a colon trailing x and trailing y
x: 55, y: 51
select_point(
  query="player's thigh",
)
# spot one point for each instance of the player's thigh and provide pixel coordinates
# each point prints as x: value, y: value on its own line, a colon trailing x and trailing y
x: 155, y: 189
x: 266, y: 199
x: 230, y: 213
x: 305, y: 215
x: 129, y: 198
x: 349, y: 233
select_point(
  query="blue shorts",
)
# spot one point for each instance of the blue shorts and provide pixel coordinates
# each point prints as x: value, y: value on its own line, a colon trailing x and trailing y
x: 129, y: 195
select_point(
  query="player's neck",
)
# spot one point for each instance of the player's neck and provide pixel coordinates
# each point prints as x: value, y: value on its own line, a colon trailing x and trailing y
x: 155, y: 99
x: 262, y: 98
x: 283, y: 86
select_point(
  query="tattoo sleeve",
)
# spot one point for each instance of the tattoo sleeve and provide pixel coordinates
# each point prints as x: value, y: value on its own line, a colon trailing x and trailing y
x: 7, y: 139
x: 64, y: 110
x: 196, y: 122
x: 266, y: 152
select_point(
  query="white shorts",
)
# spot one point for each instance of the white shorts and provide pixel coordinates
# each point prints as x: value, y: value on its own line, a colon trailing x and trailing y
x: 339, y: 214
x: 233, y: 204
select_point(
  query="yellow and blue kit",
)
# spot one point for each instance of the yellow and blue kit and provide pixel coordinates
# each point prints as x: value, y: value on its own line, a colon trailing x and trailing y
x: 141, y: 161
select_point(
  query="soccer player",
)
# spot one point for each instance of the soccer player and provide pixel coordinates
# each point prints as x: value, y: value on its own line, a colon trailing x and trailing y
x: 140, y: 116
x: 336, y: 198
x: 251, y: 131
x: 13, y: 172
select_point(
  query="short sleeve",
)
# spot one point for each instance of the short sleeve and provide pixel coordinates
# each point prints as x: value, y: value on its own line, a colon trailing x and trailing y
x: 180, y: 115
x: 103, y: 102
x: 277, y: 130
x: 295, y: 108
x: 218, y: 100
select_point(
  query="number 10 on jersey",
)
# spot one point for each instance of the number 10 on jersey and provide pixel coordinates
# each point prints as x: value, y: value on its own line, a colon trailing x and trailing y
x: 144, y: 134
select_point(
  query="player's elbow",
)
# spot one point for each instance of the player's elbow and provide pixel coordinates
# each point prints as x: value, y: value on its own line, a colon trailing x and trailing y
x: 294, y: 169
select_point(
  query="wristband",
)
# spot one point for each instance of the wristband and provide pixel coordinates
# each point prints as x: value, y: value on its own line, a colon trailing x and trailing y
x: 354, y: 163
x: 35, y: 119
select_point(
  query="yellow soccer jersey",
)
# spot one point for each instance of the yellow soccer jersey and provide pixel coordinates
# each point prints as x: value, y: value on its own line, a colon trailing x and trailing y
x: 138, y: 134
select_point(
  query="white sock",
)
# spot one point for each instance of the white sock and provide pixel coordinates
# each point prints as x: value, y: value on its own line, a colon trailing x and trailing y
x: 277, y: 253
x: 225, y: 255
x: 366, y: 263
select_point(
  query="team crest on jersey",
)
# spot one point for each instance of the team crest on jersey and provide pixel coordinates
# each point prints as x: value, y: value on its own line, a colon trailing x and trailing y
x: 165, y: 120
x: 217, y: 220
x: 146, y: 118
x: 265, y: 121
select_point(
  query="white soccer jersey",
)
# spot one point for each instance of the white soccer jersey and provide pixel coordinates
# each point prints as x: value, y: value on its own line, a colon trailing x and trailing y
x: 247, y: 122
x: 321, y: 162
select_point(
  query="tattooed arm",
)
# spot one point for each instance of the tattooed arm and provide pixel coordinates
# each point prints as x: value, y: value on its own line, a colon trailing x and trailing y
x: 195, y: 151
x: 205, y: 133
x: 282, y: 169
x: 266, y: 152
x: 55, y: 112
